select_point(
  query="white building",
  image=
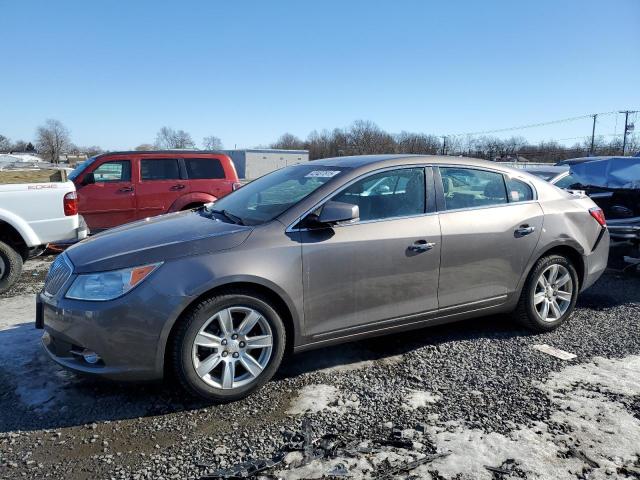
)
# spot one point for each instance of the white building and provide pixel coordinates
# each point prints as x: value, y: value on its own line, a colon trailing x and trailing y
x: 19, y: 157
x: 256, y: 162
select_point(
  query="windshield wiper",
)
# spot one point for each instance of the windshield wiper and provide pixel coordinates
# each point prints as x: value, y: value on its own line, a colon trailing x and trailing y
x: 229, y: 216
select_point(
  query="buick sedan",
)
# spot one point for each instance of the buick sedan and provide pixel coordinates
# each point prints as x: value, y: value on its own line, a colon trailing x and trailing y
x: 315, y: 254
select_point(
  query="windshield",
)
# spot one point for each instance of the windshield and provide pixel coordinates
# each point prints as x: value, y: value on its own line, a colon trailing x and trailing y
x: 81, y: 168
x: 267, y: 197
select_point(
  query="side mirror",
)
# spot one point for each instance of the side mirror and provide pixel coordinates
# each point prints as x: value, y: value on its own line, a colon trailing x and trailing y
x: 88, y: 179
x: 336, y: 212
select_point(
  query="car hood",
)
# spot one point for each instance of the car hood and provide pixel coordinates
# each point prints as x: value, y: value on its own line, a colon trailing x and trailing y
x: 156, y: 239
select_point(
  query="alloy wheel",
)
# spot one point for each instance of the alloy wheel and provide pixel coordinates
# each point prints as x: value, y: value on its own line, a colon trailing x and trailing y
x: 553, y: 293
x: 232, y: 348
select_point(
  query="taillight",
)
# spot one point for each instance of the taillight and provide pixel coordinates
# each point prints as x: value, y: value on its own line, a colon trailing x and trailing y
x: 70, y: 204
x: 598, y: 214
x: 235, y: 186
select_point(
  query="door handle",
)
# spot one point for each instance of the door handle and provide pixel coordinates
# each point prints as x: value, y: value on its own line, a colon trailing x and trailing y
x: 421, y: 246
x: 126, y: 189
x: 523, y: 230
x: 179, y: 186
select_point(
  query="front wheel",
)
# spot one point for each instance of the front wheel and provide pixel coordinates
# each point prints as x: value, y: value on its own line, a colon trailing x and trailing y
x: 549, y: 295
x: 228, y: 346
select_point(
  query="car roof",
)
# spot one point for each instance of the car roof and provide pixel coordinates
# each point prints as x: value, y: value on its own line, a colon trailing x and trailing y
x: 574, y: 161
x: 163, y: 152
x: 402, y: 159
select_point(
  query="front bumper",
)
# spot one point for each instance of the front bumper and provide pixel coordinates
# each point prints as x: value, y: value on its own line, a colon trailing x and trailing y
x: 126, y: 332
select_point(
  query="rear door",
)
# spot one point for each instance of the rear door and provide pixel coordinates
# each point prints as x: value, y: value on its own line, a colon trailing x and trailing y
x: 381, y: 268
x: 110, y: 200
x: 490, y: 227
x: 162, y: 181
x: 206, y: 175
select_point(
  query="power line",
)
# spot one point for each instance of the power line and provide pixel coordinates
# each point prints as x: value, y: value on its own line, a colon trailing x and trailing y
x: 533, y: 125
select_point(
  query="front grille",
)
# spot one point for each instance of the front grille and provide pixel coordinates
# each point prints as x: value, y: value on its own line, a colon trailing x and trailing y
x: 59, y: 273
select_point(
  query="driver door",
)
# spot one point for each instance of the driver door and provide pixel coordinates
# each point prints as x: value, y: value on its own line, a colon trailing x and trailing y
x: 110, y: 199
x: 383, y: 267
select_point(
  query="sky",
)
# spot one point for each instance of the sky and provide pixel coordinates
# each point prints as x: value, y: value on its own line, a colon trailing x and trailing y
x: 115, y: 72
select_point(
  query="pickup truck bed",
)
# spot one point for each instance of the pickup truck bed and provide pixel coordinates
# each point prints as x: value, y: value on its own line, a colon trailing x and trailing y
x: 31, y: 216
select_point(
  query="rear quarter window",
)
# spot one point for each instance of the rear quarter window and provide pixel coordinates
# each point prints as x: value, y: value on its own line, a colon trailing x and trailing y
x: 518, y: 191
x: 204, y: 168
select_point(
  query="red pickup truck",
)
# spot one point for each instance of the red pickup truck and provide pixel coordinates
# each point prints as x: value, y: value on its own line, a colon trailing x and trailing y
x: 120, y: 187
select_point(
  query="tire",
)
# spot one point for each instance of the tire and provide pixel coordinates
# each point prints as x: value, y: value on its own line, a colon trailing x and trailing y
x: 216, y: 347
x: 538, y: 291
x: 10, y: 267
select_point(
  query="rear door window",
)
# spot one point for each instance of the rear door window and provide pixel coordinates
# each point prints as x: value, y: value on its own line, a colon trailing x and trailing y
x: 204, y: 168
x: 116, y: 171
x: 159, y: 169
x: 472, y: 188
x: 624, y: 173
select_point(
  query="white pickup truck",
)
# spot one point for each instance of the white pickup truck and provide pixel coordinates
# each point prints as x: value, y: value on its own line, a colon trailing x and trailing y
x: 31, y: 216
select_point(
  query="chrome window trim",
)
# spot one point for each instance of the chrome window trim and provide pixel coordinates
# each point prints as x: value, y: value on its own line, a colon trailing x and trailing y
x: 290, y: 228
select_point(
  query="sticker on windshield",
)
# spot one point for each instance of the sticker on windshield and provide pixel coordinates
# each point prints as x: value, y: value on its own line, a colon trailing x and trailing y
x: 322, y: 173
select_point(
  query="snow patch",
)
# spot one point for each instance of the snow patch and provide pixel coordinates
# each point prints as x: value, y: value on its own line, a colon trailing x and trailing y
x: 417, y: 399
x: 600, y: 428
x: 316, y: 398
x: 39, y: 383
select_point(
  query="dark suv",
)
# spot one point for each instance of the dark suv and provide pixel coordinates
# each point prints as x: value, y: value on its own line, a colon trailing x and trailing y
x: 614, y: 184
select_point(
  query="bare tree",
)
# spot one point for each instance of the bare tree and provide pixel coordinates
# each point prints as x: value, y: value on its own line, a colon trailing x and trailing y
x: 5, y: 144
x: 168, y: 138
x: 365, y: 137
x: 212, y: 143
x: 145, y: 146
x: 52, y: 139
x: 288, y: 141
x: 419, y: 143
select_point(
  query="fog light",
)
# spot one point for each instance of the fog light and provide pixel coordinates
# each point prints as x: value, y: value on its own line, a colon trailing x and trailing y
x: 90, y: 357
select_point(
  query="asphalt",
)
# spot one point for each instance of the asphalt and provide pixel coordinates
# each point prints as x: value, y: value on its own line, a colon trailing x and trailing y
x: 466, y: 400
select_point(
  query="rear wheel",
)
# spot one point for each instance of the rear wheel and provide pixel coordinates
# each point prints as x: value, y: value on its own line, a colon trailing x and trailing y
x: 228, y: 346
x: 10, y: 267
x: 549, y: 295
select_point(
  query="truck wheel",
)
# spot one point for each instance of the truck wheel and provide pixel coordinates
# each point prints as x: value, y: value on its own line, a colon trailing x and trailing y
x: 10, y: 266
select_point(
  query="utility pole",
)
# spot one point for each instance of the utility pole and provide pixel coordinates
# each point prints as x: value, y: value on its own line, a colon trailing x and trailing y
x: 626, y: 128
x: 444, y: 144
x: 593, y: 132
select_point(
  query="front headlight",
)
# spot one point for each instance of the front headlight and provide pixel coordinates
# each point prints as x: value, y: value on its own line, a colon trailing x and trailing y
x: 104, y: 286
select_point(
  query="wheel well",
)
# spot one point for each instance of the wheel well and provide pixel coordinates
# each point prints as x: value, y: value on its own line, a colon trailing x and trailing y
x: 192, y: 205
x: 573, y: 255
x: 10, y: 236
x: 246, y: 287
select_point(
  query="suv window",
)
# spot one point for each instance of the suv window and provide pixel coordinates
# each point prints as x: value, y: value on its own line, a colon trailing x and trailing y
x: 159, y: 169
x: 116, y: 171
x: 469, y: 188
x: 518, y: 191
x: 395, y: 193
x: 589, y: 173
x: 624, y: 173
x: 204, y: 168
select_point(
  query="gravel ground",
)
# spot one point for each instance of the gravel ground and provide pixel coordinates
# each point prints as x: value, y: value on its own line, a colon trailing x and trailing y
x: 476, y: 391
